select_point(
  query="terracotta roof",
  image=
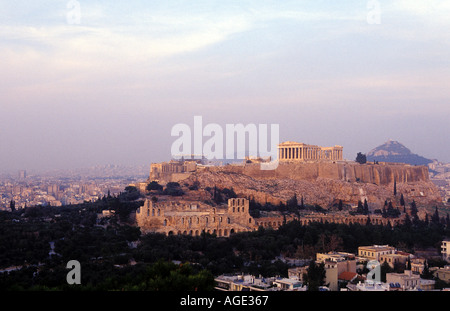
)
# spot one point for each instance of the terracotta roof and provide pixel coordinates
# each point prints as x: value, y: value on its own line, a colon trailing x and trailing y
x: 347, y: 276
x: 403, y: 253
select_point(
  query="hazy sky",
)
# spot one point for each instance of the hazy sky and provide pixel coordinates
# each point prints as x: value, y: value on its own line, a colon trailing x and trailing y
x: 109, y: 86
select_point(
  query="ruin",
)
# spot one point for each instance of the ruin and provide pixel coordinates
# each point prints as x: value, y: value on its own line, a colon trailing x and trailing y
x: 293, y: 151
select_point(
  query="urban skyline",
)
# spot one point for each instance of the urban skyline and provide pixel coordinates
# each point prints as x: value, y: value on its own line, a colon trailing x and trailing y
x: 105, y: 82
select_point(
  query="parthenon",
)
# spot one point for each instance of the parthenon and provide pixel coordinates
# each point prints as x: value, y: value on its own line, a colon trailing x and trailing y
x: 293, y: 151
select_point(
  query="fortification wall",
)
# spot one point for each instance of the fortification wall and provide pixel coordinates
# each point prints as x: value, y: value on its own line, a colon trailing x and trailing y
x: 379, y: 174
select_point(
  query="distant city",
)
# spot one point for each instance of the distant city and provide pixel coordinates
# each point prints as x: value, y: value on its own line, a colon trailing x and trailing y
x: 65, y: 187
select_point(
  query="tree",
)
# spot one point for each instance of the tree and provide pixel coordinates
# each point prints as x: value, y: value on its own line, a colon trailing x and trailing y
x: 12, y: 205
x: 385, y: 268
x: 366, y: 207
x: 395, y: 187
x: 435, y: 218
x: 414, y: 209
x: 173, y: 189
x: 340, y: 205
x: 315, y: 276
x: 362, y: 208
x: 402, y: 200
x: 153, y: 185
x: 408, y: 264
x: 292, y: 202
x: 361, y: 158
x: 426, y: 273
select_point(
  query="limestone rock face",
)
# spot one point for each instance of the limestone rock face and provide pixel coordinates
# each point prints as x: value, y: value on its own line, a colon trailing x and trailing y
x: 323, y: 183
x: 380, y: 174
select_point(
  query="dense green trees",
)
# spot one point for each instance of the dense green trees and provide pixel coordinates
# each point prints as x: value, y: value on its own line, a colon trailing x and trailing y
x: 315, y: 276
x: 361, y: 158
x: 106, y: 247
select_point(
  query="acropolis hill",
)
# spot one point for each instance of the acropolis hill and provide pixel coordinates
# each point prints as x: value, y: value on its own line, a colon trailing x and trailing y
x: 318, y: 174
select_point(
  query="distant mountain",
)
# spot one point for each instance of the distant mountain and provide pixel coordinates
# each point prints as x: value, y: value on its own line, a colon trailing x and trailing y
x: 393, y: 151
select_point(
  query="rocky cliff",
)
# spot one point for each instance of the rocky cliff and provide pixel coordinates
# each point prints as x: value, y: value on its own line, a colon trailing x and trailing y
x: 379, y: 174
x: 323, y: 183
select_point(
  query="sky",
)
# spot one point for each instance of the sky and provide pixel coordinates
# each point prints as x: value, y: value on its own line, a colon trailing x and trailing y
x: 97, y: 82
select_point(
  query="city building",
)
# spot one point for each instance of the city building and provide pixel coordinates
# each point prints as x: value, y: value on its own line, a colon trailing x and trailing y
x: 397, y: 259
x: 417, y: 265
x: 369, y: 286
x: 443, y: 273
x: 289, y: 284
x: 403, y: 281
x: 445, y: 250
x: 374, y: 252
x: 339, y: 266
x: 251, y: 283
x: 297, y: 273
x: 244, y: 283
x: 426, y: 285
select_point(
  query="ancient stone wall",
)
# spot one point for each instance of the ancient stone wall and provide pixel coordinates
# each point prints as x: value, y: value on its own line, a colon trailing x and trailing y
x: 379, y: 174
x: 193, y: 217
